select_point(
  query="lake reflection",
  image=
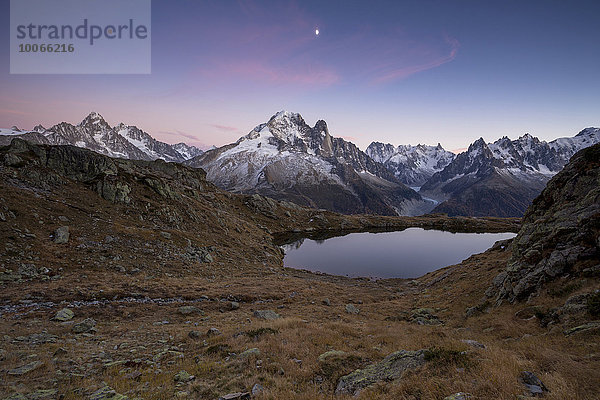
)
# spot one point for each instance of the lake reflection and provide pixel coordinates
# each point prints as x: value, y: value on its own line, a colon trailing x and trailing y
x: 405, y: 254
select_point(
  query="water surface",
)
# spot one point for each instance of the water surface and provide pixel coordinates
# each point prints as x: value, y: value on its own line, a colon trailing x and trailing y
x: 406, y: 254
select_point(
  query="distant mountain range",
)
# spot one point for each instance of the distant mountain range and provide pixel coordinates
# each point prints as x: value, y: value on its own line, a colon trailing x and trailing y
x: 412, y: 165
x: 94, y: 133
x: 502, y: 178
x: 286, y: 159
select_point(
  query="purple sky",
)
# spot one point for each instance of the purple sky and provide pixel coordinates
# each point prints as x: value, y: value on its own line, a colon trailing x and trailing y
x: 403, y: 72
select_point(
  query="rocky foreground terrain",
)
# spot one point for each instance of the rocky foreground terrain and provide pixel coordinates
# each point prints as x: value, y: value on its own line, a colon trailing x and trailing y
x: 141, y: 280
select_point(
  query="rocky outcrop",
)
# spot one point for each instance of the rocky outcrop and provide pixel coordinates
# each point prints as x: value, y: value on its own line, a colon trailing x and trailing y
x: 560, y: 232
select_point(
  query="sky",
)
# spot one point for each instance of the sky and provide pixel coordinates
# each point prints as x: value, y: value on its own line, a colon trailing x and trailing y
x: 400, y: 72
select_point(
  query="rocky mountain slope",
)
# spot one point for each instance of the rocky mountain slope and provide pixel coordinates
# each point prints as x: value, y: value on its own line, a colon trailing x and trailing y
x: 412, y: 165
x: 142, y: 279
x: 94, y: 133
x: 502, y: 178
x: 287, y: 159
x: 560, y: 234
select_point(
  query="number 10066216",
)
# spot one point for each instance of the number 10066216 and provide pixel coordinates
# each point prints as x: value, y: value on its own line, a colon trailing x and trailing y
x: 46, y: 48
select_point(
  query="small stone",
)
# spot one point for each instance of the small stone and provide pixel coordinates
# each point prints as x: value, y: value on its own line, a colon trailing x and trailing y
x: 213, y: 332
x: 194, y: 334
x: 326, y: 302
x: 458, y: 396
x: 166, y: 235
x: 256, y: 389
x: 352, y: 309
x: 24, y: 369
x: 533, y: 383
x: 266, y: 314
x: 234, y: 305
x: 84, y: 326
x: 61, y: 235
x: 62, y: 218
x: 473, y: 343
x: 64, y: 315
x: 183, y: 377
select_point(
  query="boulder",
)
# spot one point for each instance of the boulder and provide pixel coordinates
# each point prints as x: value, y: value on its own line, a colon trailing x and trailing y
x: 84, y: 326
x: 390, y: 368
x: 64, y: 315
x: 266, y: 314
x: 106, y: 393
x: 187, y: 310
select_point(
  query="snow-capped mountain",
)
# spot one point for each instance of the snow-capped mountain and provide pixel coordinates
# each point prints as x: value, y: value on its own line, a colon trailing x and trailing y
x: 412, y: 165
x: 287, y: 159
x: 94, y: 133
x: 502, y: 178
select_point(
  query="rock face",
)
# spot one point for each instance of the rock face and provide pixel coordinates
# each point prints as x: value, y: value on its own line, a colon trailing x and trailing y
x: 286, y: 159
x: 94, y: 133
x: 560, y: 231
x: 390, y: 368
x: 502, y: 178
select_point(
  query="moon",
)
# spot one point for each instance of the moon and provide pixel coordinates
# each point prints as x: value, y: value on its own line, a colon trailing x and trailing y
x: 316, y: 32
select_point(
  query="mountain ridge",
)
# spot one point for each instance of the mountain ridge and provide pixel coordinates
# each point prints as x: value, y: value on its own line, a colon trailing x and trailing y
x: 503, y: 177
x: 94, y: 133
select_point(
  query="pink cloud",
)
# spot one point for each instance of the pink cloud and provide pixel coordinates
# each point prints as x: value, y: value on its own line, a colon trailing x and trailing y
x: 225, y: 128
x: 263, y: 72
x: 10, y: 111
x: 389, y: 74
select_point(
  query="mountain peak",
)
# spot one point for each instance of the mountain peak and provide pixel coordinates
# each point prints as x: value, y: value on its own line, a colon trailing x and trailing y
x: 93, y: 118
x: 478, y: 144
x: 589, y: 132
x: 285, y: 115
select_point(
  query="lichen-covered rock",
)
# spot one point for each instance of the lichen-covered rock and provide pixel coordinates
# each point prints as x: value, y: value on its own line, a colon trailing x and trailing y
x: 183, y: 377
x: 85, y: 326
x: 64, y: 315
x: 390, y: 368
x: 24, y: 369
x: 107, y: 393
x: 187, y: 310
x: 559, y: 231
x: 61, y: 235
x: 352, y: 309
x: 266, y: 314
